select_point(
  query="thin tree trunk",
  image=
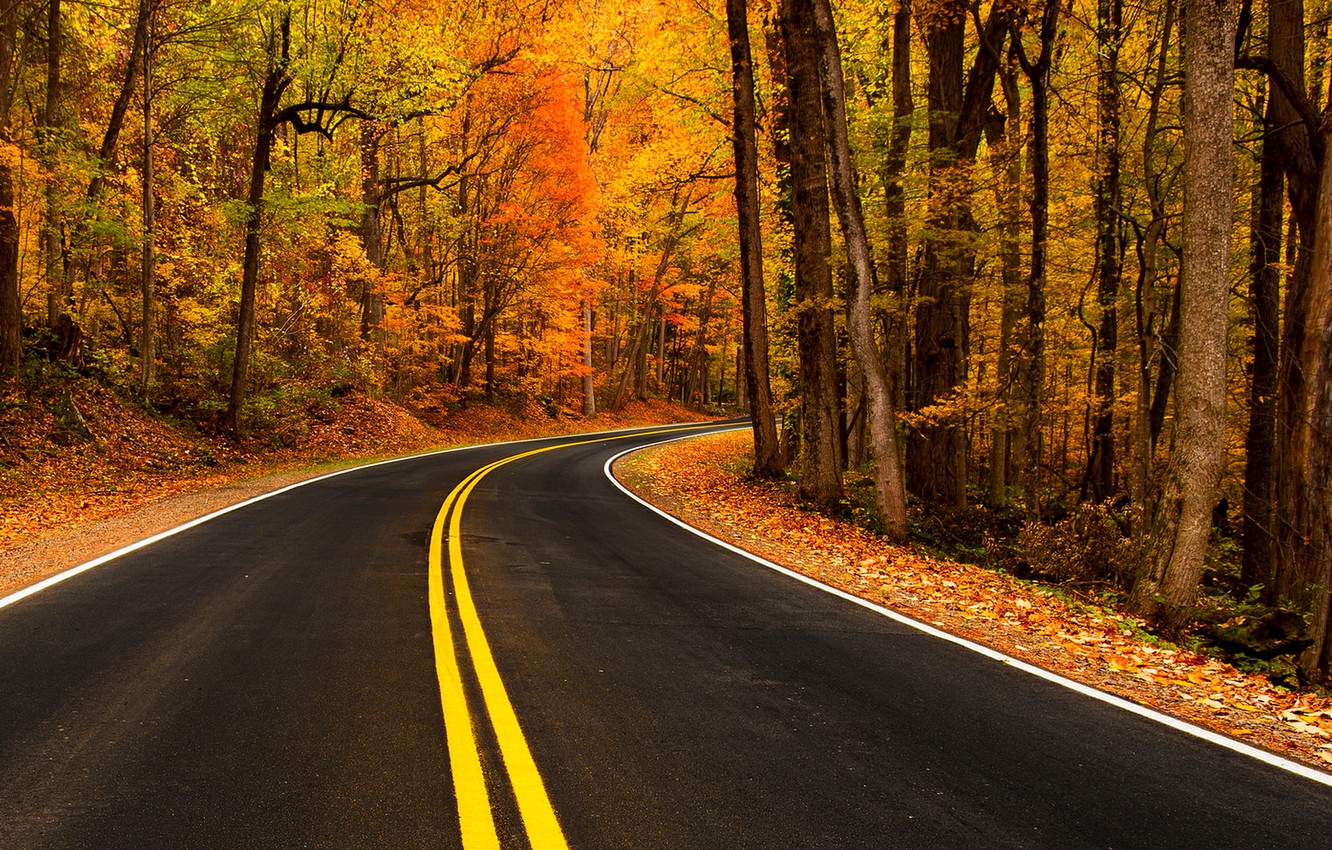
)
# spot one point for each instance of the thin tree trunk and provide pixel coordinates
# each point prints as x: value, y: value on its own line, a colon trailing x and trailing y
x: 1009, y: 203
x: 11, y: 305
x: 1031, y: 369
x: 889, y: 485
x: 1259, y: 551
x: 767, y: 457
x: 1183, y: 522
x: 58, y: 299
x: 147, y: 339
x: 1149, y: 347
x: 275, y: 84
x: 894, y: 167
x: 1101, y: 465
x: 589, y: 377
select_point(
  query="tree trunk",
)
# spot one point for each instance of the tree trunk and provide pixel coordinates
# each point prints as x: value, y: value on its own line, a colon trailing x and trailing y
x: 1031, y: 368
x: 148, y: 339
x: 1146, y: 312
x: 59, y: 297
x: 1101, y: 465
x: 11, y: 304
x: 941, y: 328
x: 1183, y: 523
x: 894, y: 200
x: 275, y: 84
x: 889, y: 485
x: 767, y: 458
x: 816, y: 336
x: 589, y: 377
x: 1312, y: 445
x: 372, y: 302
x: 1259, y: 550
x: 936, y: 450
x: 1009, y: 146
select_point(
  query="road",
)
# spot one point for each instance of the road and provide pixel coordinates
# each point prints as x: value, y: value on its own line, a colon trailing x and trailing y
x: 274, y: 678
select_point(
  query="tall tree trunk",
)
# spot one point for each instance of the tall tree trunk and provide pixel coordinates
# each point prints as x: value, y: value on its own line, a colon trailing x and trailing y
x: 816, y: 335
x: 767, y: 457
x: 894, y: 201
x: 889, y: 485
x: 1312, y: 444
x: 941, y: 328
x: 58, y: 299
x: 147, y: 338
x: 275, y: 84
x: 11, y: 304
x: 1259, y: 552
x: 372, y: 302
x: 1146, y: 308
x: 936, y: 451
x: 1031, y: 368
x: 1183, y: 523
x: 1101, y: 465
x: 1008, y: 146
x: 589, y: 377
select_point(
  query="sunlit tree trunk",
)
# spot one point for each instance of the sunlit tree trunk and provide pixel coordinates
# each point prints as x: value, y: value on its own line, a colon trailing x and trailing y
x: 1183, y: 521
x: 148, y: 335
x: 767, y: 457
x: 889, y: 485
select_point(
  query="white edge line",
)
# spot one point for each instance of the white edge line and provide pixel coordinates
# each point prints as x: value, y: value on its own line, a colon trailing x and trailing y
x: 51, y: 581
x: 1078, y: 687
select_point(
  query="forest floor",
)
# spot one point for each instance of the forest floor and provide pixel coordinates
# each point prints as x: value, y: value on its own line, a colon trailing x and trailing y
x: 67, y: 497
x: 705, y: 483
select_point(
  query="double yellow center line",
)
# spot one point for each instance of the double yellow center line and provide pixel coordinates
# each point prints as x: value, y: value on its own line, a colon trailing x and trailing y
x: 475, y: 812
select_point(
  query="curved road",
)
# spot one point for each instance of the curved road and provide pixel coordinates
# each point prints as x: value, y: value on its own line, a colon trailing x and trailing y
x: 274, y: 678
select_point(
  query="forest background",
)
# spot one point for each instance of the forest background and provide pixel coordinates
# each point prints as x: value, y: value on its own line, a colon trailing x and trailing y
x: 974, y: 284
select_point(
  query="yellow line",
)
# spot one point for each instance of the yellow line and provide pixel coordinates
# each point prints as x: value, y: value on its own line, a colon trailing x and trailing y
x: 474, y: 812
x: 469, y: 785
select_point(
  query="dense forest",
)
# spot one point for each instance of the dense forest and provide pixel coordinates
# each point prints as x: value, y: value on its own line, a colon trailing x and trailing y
x: 1062, y: 266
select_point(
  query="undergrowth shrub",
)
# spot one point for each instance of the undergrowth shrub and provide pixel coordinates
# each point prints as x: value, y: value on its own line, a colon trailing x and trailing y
x: 1086, y: 547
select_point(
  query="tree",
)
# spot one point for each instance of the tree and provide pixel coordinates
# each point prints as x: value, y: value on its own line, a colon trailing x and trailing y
x: 889, y: 485
x: 11, y: 311
x: 820, y: 405
x: 1184, y: 519
x: 767, y: 461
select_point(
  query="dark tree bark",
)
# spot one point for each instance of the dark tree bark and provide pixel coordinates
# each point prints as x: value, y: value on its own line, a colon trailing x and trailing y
x: 11, y: 307
x: 1183, y: 522
x: 1101, y: 465
x: 59, y: 296
x: 958, y: 106
x: 148, y: 277
x: 1259, y: 551
x: 1031, y: 366
x: 816, y: 335
x: 889, y: 484
x: 894, y: 201
x: 1006, y: 145
x: 372, y: 197
x: 1146, y: 310
x: 275, y: 85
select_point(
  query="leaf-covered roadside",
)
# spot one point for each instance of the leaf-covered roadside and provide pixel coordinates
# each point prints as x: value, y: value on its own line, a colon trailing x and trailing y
x: 704, y: 482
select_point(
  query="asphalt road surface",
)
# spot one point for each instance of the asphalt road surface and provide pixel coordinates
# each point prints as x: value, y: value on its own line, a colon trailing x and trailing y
x: 277, y: 677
